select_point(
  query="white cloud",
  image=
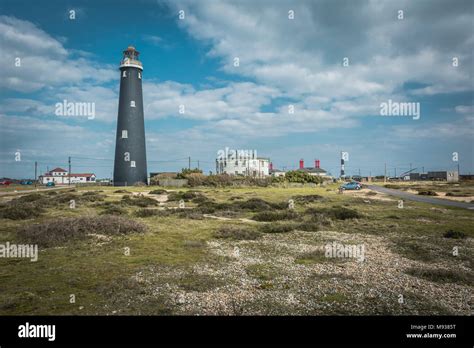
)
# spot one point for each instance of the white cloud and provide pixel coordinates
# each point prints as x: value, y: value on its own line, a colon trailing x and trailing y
x: 44, y: 60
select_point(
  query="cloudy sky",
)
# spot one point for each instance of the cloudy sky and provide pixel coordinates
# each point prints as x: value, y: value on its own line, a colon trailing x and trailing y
x: 334, y: 62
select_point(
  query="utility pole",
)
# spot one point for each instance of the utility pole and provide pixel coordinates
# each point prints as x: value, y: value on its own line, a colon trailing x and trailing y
x: 69, y: 173
x: 410, y: 167
x: 189, y: 162
x: 359, y: 171
x: 198, y: 165
x: 423, y: 170
x: 385, y: 174
x: 395, y: 172
x: 36, y: 171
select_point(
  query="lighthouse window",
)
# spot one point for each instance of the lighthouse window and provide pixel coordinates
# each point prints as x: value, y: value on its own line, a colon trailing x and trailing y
x: 132, y: 103
x: 124, y: 74
x: 132, y: 164
x: 124, y: 134
x: 139, y: 75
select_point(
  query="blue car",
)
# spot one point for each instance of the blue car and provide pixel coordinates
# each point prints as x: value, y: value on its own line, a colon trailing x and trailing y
x: 351, y: 186
x: 50, y: 184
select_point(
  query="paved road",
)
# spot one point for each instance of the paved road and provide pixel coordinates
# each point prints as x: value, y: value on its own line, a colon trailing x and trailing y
x: 418, y: 198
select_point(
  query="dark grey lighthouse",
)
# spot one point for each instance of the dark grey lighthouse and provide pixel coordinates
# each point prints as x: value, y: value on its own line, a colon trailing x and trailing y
x: 130, y: 151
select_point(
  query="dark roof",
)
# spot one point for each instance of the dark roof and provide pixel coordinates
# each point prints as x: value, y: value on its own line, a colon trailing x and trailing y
x: 57, y: 170
x: 313, y: 170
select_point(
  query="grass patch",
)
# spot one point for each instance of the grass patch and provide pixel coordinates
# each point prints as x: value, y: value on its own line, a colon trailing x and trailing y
x: 262, y: 272
x: 237, y: 233
x: 198, y: 282
x: 442, y: 275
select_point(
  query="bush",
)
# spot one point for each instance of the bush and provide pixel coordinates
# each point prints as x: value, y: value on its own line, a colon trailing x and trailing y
x: 196, y: 179
x: 60, y: 231
x: 308, y: 227
x: 442, y: 275
x: 254, y: 204
x: 457, y: 194
x: 29, y: 198
x: 114, y: 210
x: 20, y: 211
x: 342, y: 213
x: 158, y: 192
x: 300, y: 176
x: 308, y: 198
x: 151, y: 212
x: 139, y: 201
x: 454, y: 234
x: 201, y: 199
x: 66, y: 197
x: 275, y: 216
x: 427, y: 193
x: 237, y: 233
x: 91, y: 196
x: 277, y: 228
x: 182, y: 195
x: 122, y: 191
x: 339, y: 213
x: 192, y: 214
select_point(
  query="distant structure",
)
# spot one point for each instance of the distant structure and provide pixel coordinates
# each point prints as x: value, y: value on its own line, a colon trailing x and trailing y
x: 61, y: 177
x: 243, y: 165
x: 130, y: 150
x: 276, y: 172
x: 315, y: 171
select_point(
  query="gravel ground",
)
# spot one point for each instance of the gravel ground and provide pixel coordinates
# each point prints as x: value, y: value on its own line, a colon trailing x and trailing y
x: 261, y: 277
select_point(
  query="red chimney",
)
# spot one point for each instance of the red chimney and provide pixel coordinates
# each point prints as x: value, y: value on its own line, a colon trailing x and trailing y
x: 316, y: 164
x: 301, y: 163
x: 271, y: 166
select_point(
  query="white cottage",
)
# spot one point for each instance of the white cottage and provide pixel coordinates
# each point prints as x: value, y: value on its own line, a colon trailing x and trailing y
x: 61, y: 177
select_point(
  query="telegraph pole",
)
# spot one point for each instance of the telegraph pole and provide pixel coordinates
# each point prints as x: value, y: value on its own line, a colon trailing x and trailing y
x: 69, y: 172
x: 189, y: 162
x: 385, y: 174
x: 198, y: 165
x: 36, y: 171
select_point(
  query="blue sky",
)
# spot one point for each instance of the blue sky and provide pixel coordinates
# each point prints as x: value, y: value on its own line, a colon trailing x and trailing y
x: 282, y: 62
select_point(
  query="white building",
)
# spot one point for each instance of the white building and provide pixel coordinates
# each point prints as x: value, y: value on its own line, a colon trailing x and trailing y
x: 60, y: 177
x: 252, y: 166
